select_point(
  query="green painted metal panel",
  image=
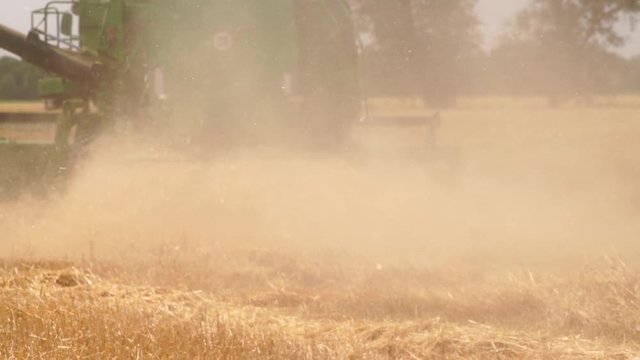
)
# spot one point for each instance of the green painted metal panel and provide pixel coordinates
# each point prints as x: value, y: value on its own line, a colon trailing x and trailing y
x: 226, y: 63
x: 242, y: 44
x: 102, y: 27
x: 50, y: 87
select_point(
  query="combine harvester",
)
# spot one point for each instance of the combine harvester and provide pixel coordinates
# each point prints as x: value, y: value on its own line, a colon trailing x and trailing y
x: 208, y: 71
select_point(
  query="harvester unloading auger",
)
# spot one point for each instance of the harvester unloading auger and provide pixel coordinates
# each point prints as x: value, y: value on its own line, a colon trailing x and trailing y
x: 204, y: 68
x: 26, y: 163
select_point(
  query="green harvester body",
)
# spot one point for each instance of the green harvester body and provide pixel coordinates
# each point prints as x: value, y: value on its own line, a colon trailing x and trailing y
x: 206, y: 70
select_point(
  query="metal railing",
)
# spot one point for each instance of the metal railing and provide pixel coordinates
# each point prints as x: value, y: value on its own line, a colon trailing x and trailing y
x: 46, y: 23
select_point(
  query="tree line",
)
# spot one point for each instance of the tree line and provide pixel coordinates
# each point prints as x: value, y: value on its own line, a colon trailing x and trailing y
x: 433, y: 49
x: 559, y: 49
x: 18, y: 80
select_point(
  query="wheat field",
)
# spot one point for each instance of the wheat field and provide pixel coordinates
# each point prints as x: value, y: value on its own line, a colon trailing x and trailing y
x: 514, y: 238
x: 21, y: 106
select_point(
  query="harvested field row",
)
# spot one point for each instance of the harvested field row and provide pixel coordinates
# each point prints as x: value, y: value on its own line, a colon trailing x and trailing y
x: 56, y: 310
x: 21, y: 106
x: 374, y: 253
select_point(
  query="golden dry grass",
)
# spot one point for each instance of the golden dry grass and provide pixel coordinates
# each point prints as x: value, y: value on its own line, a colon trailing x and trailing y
x: 59, y: 311
x: 490, y: 249
x: 21, y: 107
x: 16, y: 131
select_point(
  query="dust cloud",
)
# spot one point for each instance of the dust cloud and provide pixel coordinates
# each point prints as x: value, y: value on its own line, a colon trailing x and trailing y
x: 514, y: 186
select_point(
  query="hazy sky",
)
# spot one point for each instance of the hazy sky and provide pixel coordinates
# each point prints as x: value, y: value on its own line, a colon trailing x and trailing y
x: 493, y: 14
